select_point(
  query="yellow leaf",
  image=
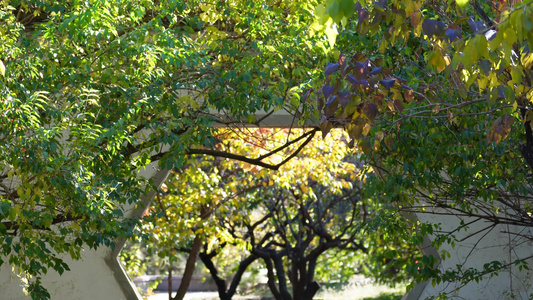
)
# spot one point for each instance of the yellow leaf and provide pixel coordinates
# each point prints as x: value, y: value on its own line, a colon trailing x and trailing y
x: 482, y: 82
x: 364, y: 145
x: 379, y: 135
x: 383, y: 45
x: 436, y: 59
x: 331, y: 32
x: 461, y: 3
x: 527, y: 60
x: 389, y: 142
x: 2, y: 68
x: 75, y: 226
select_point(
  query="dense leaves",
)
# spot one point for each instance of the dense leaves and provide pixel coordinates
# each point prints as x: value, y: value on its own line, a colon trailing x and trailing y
x: 93, y: 91
x: 444, y: 116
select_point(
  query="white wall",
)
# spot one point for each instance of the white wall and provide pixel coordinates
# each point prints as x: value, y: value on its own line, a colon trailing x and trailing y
x: 474, y: 248
x: 89, y: 278
x: 98, y: 275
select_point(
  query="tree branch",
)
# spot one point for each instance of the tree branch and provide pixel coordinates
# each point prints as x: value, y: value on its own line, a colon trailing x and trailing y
x: 254, y: 161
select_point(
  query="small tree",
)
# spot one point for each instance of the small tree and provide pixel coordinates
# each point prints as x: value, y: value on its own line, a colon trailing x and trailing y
x: 288, y: 219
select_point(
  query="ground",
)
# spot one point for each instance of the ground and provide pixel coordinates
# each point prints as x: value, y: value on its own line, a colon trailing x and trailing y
x: 366, y: 291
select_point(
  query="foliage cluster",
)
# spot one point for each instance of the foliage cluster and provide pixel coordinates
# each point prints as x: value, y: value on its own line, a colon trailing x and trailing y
x: 306, y: 223
x: 438, y: 94
x: 93, y: 91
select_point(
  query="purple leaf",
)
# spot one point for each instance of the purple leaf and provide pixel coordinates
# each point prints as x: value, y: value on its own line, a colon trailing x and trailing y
x: 319, y: 103
x: 352, y: 79
x: 364, y: 82
x: 387, y: 83
x: 344, y: 98
x: 371, y: 111
x: 331, y: 106
x: 327, y: 90
x: 375, y: 70
x: 433, y: 27
x: 476, y: 26
x: 306, y: 95
x: 328, y: 104
x: 398, y: 105
x: 361, y: 69
x: 452, y: 34
x: 325, y: 127
x: 331, y: 68
x: 362, y: 15
x: 406, y: 87
x: 378, y: 17
x: 485, y: 66
x: 343, y: 62
x: 358, y: 6
x: 502, y: 92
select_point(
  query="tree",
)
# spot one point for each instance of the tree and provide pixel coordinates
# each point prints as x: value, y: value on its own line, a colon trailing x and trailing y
x: 91, y: 92
x: 290, y: 219
x: 438, y: 96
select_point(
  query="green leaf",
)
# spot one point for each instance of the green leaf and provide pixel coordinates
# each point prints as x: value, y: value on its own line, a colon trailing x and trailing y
x: 509, y: 36
x: 333, y: 10
x: 480, y: 44
x: 347, y: 7
x: 321, y: 15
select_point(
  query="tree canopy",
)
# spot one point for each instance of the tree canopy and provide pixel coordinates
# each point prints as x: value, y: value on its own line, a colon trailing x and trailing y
x: 437, y: 94
x: 296, y: 223
x: 93, y: 91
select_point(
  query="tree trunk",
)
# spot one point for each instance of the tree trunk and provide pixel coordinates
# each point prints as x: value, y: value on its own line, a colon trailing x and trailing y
x: 170, y: 283
x: 221, y: 283
x: 311, y: 286
x: 272, y: 279
x: 310, y: 291
x: 299, y: 282
x: 282, y: 281
x: 189, y: 268
x: 238, y: 276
